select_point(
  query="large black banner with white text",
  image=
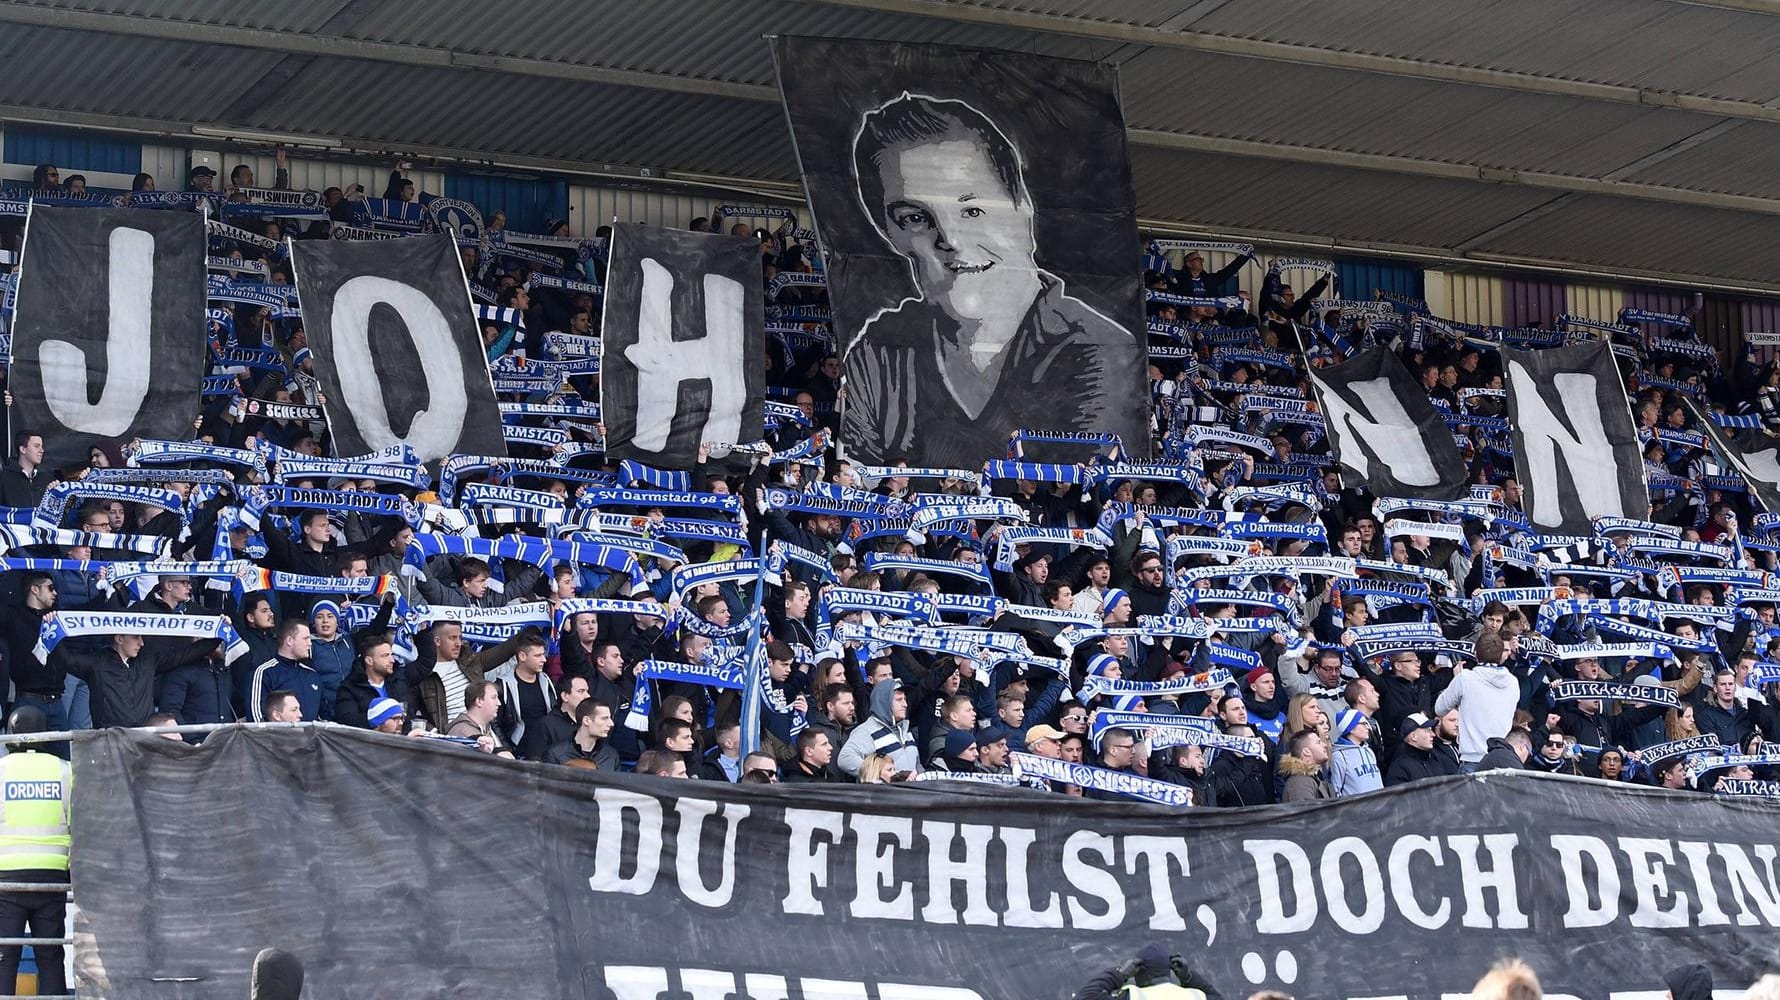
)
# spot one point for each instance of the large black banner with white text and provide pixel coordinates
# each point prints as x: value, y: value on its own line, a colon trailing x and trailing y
x: 396, y: 347
x: 683, y: 344
x: 1576, y: 449
x: 108, y: 336
x: 397, y: 865
x: 979, y: 231
x: 1383, y: 431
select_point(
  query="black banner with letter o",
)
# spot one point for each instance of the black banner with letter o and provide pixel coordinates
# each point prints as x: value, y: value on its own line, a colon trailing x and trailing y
x: 396, y: 347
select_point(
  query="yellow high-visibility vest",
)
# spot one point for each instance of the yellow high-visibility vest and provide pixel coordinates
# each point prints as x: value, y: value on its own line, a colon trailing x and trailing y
x: 34, y: 800
x: 1163, y: 991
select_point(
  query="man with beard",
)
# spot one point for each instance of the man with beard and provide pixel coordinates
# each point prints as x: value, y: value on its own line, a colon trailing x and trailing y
x: 1238, y: 780
x: 1446, y: 743
x: 885, y: 731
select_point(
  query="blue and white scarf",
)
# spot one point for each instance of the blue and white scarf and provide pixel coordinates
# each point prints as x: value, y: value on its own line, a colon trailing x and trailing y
x: 54, y: 505
x: 1200, y: 683
x: 726, y: 674
x: 933, y: 508
x: 890, y: 562
x: 1040, y: 472
x: 1646, y: 694
x: 259, y: 499
x: 1007, y: 538
x: 611, y: 496
x: 651, y: 547
x: 291, y: 465
x: 587, y: 412
x: 565, y: 610
x: 973, y: 606
x: 27, y: 536
x: 690, y: 577
x: 477, y: 494
x: 1100, y: 779
x: 1110, y: 443
x: 155, y: 452
x: 1279, y: 603
x: 86, y: 623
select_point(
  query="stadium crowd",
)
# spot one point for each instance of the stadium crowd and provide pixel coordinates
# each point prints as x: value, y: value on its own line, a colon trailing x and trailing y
x: 1227, y: 618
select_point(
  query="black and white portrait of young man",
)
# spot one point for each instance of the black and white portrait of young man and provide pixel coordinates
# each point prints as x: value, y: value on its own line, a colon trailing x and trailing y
x: 980, y: 249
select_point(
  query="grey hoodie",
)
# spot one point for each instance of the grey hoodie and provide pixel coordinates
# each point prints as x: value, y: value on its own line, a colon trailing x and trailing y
x: 1486, y: 696
x: 1354, y: 769
x: 879, y: 734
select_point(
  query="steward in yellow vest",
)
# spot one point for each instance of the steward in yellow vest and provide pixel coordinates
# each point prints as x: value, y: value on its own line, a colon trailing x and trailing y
x: 35, y: 791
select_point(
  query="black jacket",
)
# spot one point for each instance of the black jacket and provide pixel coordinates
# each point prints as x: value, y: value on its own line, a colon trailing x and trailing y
x: 20, y: 490
x: 1410, y: 764
x: 1243, y: 781
x: 1500, y: 756
x: 123, y: 692
x: 352, y: 702
x: 19, y: 630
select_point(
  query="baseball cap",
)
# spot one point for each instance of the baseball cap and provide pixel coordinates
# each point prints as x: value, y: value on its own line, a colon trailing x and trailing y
x: 202, y: 171
x: 1416, y: 721
x: 1043, y: 733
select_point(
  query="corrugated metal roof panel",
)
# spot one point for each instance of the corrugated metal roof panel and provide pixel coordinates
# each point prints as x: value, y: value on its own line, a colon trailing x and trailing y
x: 1648, y: 236
x: 1322, y: 200
x: 1334, y: 109
x: 534, y: 116
x: 1685, y: 48
x: 1149, y: 13
x: 1723, y: 163
x: 174, y: 81
x: 727, y: 44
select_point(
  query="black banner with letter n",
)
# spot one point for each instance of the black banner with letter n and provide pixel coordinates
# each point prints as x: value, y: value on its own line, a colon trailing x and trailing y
x: 1752, y: 454
x: 979, y: 231
x: 1385, y: 434
x: 394, y: 865
x: 1576, y: 450
x: 396, y: 346
x: 106, y: 340
x: 683, y: 344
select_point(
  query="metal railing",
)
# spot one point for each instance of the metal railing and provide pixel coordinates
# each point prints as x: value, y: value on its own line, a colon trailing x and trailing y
x: 65, y: 735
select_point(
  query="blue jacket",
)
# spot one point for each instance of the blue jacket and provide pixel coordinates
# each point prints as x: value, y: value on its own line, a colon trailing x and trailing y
x: 77, y: 591
x: 333, y: 660
x: 199, y: 693
x: 280, y: 674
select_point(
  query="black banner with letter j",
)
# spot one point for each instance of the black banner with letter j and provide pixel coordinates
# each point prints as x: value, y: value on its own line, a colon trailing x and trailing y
x: 107, y: 344
x: 490, y: 878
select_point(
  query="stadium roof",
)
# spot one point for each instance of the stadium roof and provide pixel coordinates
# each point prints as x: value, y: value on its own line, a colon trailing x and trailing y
x: 1615, y: 136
